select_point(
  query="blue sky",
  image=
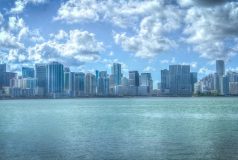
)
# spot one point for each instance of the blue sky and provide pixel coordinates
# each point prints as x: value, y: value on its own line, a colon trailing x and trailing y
x: 142, y: 35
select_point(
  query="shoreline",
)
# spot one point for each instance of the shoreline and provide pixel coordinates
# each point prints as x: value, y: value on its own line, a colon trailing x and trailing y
x: 110, y: 97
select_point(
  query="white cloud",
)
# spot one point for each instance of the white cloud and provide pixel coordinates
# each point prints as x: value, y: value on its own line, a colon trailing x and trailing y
x: 8, y: 40
x: 21, y: 4
x: 120, y: 13
x: 205, y: 3
x: 61, y: 35
x: 192, y: 64
x: 15, y: 23
x: 212, y: 29
x: 166, y: 61
x: 151, y: 20
x: 204, y: 71
x: 149, y: 69
x: 74, y: 11
x: 149, y: 40
x: 78, y: 47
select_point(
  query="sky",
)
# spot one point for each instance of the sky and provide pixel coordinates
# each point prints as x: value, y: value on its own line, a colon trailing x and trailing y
x: 143, y: 35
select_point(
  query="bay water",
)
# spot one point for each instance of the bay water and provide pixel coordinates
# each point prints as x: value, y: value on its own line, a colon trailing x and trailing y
x: 119, y: 129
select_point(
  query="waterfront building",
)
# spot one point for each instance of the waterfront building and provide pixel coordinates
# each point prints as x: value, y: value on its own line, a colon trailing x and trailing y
x: 67, y: 82
x: 55, y: 79
x: 124, y: 81
x: 134, y: 82
x: 232, y: 76
x: 103, y: 84
x: 116, y: 74
x: 121, y: 90
x: 180, y: 80
x: 2, y: 71
x: 225, y: 85
x: 134, y: 78
x: 233, y: 88
x: 165, y: 81
x: 28, y: 72
x: 194, y: 79
x: 220, y: 67
x: 146, y: 81
x: 90, y: 84
x: 97, y: 82
x: 41, y: 76
x: 72, y: 84
x: 7, y: 76
x: 79, y: 84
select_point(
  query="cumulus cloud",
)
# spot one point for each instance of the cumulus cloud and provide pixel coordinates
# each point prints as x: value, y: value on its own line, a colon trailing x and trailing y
x: 120, y: 13
x: 205, y: 3
x: 212, y: 30
x: 192, y: 64
x: 151, y: 20
x: 8, y: 40
x: 21, y: 4
x: 149, y: 69
x: 78, y: 47
x: 150, y: 40
x: 205, y: 71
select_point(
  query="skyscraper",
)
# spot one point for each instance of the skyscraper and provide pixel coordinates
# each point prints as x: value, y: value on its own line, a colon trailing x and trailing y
x: 220, y: 67
x: 2, y: 71
x: 7, y: 76
x: 134, y: 79
x: 194, y: 79
x: 146, y: 81
x: 67, y: 81
x: 165, y: 81
x: 41, y: 76
x: 28, y: 72
x: 116, y: 72
x: 79, y: 83
x: 134, y: 82
x: 90, y: 84
x: 103, y: 84
x: 55, y: 78
x: 180, y: 80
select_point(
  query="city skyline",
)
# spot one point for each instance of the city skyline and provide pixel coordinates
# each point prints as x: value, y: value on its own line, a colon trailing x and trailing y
x: 140, y: 35
x: 56, y: 80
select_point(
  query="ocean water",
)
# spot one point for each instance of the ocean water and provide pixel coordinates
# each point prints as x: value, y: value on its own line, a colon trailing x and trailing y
x: 119, y: 129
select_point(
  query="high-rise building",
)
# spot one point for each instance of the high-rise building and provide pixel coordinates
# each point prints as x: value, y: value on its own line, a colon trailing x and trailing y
x: 225, y: 85
x: 220, y: 72
x: 67, y: 88
x: 134, y: 82
x: 124, y: 81
x: 2, y: 71
x: 28, y: 72
x: 134, y: 78
x: 41, y: 76
x: 194, y: 79
x: 90, y: 84
x: 79, y: 83
x: 69, y: 83
x: 72, y: 84
x: 165, y: 81
x: 116, y: 72
x: 55, y: 78
x: 146, y: 81
x: 7, y: 76
x: 103, y: 84
x: 220, y: 67
x: 233, y: 88
x: 180, y: 80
